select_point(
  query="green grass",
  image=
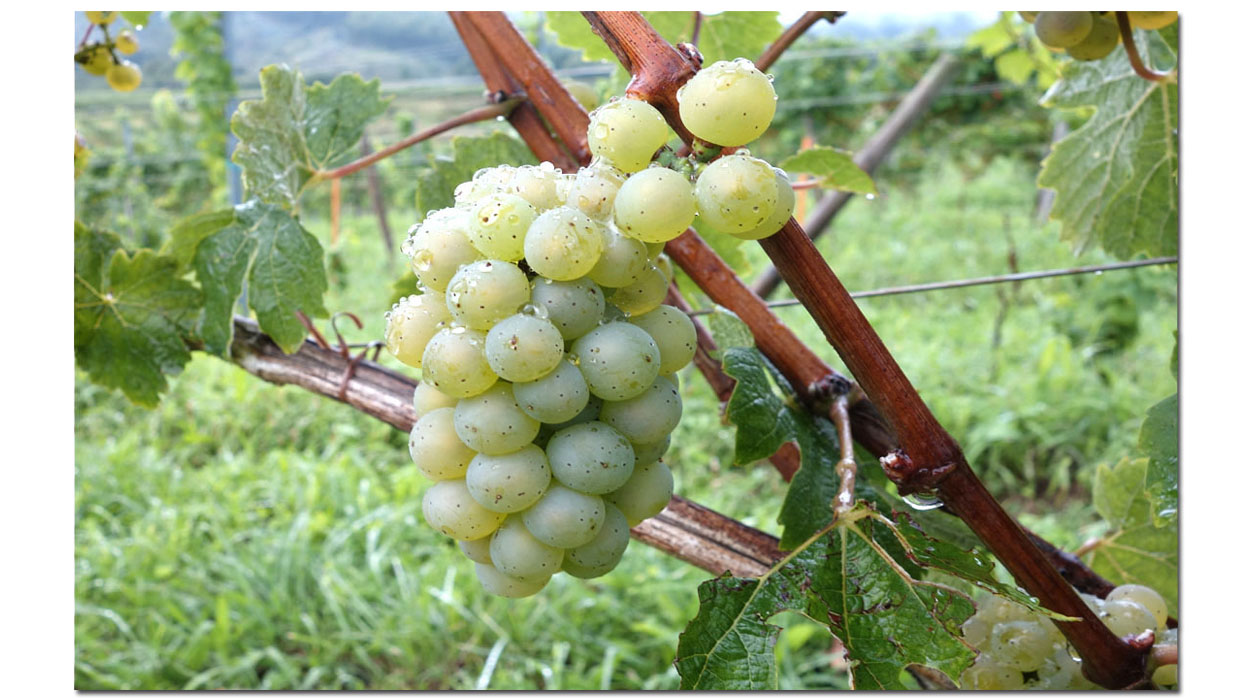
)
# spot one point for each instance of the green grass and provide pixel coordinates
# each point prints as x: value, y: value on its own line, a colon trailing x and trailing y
x: 249, y: 536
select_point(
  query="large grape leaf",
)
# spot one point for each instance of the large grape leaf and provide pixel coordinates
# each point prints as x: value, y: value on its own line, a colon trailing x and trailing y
x: 436, y: 182
x: 1116, y: 176
x: 835, y: 169
x: 1135, y: 550
x: 1159, y: 441
x: 293, y: 131
x: 723, y: 35
x: 131, y: 315
x: 267, y: 246
x: 842, y: 577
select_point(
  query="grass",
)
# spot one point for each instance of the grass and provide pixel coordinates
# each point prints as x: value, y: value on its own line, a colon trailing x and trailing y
x: 249, y: 536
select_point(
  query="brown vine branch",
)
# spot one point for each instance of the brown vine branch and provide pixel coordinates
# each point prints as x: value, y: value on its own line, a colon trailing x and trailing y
x: 688, y: 531
x: 1132, y: 51
x: 795, y: 31
x: 928, y: 457
x: 872, y: 154
x: 491, y: 111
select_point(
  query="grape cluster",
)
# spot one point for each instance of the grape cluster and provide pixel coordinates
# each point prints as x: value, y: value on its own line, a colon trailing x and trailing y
x: 1021, y: 649
x: 102, y: 57
x: 1088, y: 36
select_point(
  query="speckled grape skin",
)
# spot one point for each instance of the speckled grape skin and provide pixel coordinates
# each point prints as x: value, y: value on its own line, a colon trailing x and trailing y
x: 618, y: 360
x: 556, y: 397
x: 729, y: 103
x: 627, y: 133
x: 510, y: 482
x: 649, y: 452
x: 674, y: 333
x: 563, y: 244
x: 427, y: 398
x: 412, y: 322
x: 449, y: 508
x: 439, y: 246
x: 574, y: 306
x: 621, y: 262
x: 591, y: 457
x: 655, y: 205
x: 783, y: 210
x: 455, y: 364
x: 517, y: 553
x: 565, y: 518
x: 493, y: 423
x: 736, y: 193
x: 594, y: 189
x: 435, y: 447
x: 648, y: 417
x: 644, y: 294
x: 524, y: 347
x: 536, y: 184
x: 485, y: 292
x: 498, y: 225
x: 478, y: 551
x: 646, y: 493
x: 504, y: 586
x: 601, y: 555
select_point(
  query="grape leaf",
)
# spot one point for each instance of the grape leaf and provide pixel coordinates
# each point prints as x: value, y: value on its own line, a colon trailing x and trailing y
x: 842, y: 577
x: 1116, y: 177
x: 723, y: 35
x: 573, y: 32
x: 264, y: 243
x: 835, y: 169
x: 1159, y: 440
x: 294, y: 131
x: 1135, y: 550
x: 137, y: 18
x: 436, y: 182
x: 131, y: 315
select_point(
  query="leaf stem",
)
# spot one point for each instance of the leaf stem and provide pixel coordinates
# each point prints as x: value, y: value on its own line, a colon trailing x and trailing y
x: 795, y: 31
x: 491, y: 111
x: 1132, y: 51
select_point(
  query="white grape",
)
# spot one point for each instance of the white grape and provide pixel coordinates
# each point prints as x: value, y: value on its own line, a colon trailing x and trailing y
x: 618, y: 360
x: 591, y: 457
x: 736, y: 193
x: 455, y: 363
x: 563, y: 244
x: 505, y: 586
x: 435, y: 447
x: 510, y: 482
x: 517, y: 553
x: 602, y: 554
x: 645, y: 494
x: 524, y: 347
x: 556, y: 397
x: 412, y: 322
x: 648, y: 417
x: 565, y: 518
x: 574, y: 306
x: 439, y: 246
x: 674, y: 333
x: 729, y: 103
x: 484, y: 292
x: 627, y: 133
x: 493, y: 423
x: 655, y: 205
x: 449, y: 508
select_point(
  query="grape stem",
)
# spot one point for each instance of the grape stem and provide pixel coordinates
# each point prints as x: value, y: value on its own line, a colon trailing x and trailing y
x: 928, y: 457
x: 697, y: 19
x: 1132, y: 51
x: 499, y: 109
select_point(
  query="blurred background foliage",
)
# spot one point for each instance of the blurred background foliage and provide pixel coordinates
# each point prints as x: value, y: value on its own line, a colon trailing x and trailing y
x: 249, y: 536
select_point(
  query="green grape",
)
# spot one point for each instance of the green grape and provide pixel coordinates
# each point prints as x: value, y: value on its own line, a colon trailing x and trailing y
x: 591, y: 458
x: 1020, y: 645
x: 622, y: 261
x: 594, y: 189
x: 626, y: 133
x: 618, y: 360
x: 435, y: 447
x: 589, y: 413
x: 478, y: 551
x: 439, y: 246
x: 124, y: 76
x: 729, y: 103
x: 563, y: 244
x: 485, y: 292
x: 96, y: 59
x: 987, y: 674
x: 449, y: 508
x: 648, y: 452
x: 486, y: 181
x: 536, y: 184
x: 1059, y: 670
x: 511, y: 482
x: 583, y: 93
x: 412, y: 322
x: 654, y: 249
x: 655, y: 205
x: 1126, y: 616
x: 1100, y: 41
x: 518, y: 554
x: 783, y: 210
x: 648, y: 417
x: 574, y: 306
x: 498, y: 225
x: 556, y: 397
x: 602, y: 554
x: 1062, y: 30
x: 1157, y: 19
x: 493, y: 423
x: 427, y: 398
x: 674, y: 333
x: 1152, y: 601
x: 736, y: 193
x: 976, y: 630
x: 1162, y: 676
x: 565, y: 518
x: 497, y: 583
x: 665, y: 265
x: 455, y: 364
x: 642, y: 295
x: 101, y: 18
x: 645, y: 494
x: 126, y: 43
x: 524, y: 347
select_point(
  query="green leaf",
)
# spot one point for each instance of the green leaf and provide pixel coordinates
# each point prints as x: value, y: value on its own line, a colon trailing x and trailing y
x: 137, y: 18
x: 991, y: 40
x: 728, y: 35
x: 281, y: 261
x: 835, y: 169
x: 294, y: 131
x: 1116, y: 177
x: 131, y: 314
x: 187, y: 233
x: 435, y: 183
x: 728, y: 331
x: 1159, y: 440
x: 573, y: 32
x: 1135, y: 550
x: 844, y: 578
x: 1015, y: 66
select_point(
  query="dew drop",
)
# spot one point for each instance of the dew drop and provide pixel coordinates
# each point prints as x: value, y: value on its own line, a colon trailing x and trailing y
x: 923, y: 500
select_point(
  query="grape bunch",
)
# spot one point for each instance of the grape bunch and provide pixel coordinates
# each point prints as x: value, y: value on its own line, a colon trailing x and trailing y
x: 1089, y: 36
x: 1021, y: 649
x: 101, y: 57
